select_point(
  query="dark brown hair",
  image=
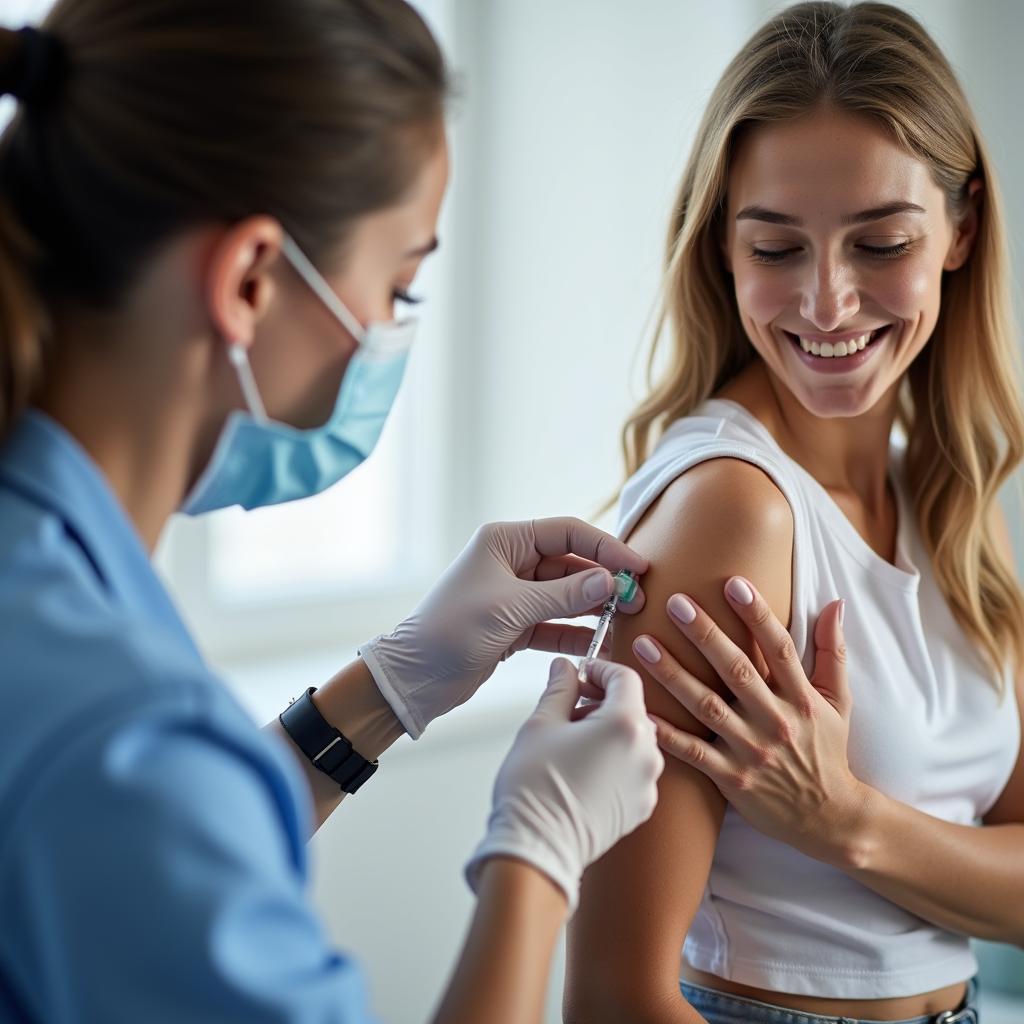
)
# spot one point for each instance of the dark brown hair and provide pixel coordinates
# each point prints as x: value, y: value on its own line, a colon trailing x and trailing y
x: 164, y: 114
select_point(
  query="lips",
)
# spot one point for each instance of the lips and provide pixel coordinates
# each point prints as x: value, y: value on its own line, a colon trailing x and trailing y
x: 840, y: 364
x: 837, y: 346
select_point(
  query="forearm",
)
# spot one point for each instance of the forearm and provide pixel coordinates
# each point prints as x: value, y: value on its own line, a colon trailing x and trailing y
x: 352, y: 703
x: 969, y: 880
x: 636, y: 903
x: 502, y: 973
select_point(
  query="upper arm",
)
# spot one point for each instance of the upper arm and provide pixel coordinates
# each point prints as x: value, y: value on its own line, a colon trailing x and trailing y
x: 1009, y: 808
x: 152, y: 875
x: 721, y: 518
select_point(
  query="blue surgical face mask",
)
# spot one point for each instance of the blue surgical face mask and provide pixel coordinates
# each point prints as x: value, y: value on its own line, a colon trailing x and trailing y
x: 259, y: 461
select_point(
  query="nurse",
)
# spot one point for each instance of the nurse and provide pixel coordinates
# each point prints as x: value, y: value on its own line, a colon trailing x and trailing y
x: 208, y: 210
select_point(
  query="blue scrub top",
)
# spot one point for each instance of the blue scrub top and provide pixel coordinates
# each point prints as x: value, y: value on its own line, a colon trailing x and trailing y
x: 152, y: 845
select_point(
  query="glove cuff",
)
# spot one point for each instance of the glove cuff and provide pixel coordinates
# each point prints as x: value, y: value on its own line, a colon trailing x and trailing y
x: 532, y: 850
x: 375, y: 659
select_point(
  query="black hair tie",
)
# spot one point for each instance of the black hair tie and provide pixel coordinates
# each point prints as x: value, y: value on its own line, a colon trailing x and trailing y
x: 36, y: 67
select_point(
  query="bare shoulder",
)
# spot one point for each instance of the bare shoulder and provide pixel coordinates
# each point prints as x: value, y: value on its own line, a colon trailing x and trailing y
x: 722, y: 497
x: 721, y: 518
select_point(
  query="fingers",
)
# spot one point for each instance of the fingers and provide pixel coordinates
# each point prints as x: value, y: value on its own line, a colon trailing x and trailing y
x: 581, y: 712
x: 830, y: 677
x: 773, y: 639
x: 591, y: 694
x: 706, y: 706
x: 565, y: 535
x: 562, y: 638
x: 692, y: 750
x: 621, y: 686
x: 730, y: 662
x: 562, y: 693
x: 557, y: 567
x: 554, y: 567
x: 575, y: 594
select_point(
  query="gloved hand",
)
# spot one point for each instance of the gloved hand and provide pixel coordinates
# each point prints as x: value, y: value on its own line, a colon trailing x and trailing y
x: 570, y: 789
x: 493, y: 600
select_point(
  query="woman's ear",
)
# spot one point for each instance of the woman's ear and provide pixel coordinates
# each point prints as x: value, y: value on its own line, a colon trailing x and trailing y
x: 239, y: 284
x: 966, y: 230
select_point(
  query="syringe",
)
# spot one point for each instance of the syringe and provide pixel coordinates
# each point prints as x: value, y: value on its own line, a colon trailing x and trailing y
x: 625, y: 590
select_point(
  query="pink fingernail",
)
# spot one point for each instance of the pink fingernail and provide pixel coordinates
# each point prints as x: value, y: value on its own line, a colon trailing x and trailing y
x: 646, y: 650
x: 842, y: 613
x: 681, y: 609
x: 738, y: 589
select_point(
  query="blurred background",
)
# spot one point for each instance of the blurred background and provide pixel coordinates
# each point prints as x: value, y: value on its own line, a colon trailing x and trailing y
x: 570, y: 131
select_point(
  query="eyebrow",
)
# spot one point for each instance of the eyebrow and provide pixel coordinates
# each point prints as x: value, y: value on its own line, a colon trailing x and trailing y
x: 875, y: 213
x: 424, y: 250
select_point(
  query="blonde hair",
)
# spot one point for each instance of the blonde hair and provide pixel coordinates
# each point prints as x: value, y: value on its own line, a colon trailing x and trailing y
x: 959, y: 406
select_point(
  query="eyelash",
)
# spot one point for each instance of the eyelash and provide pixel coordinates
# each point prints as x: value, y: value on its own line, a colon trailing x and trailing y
x: 884, y: 252
x: 398, y: 295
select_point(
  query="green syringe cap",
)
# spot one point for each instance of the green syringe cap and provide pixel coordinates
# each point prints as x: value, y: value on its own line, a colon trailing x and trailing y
x: 625, y: 585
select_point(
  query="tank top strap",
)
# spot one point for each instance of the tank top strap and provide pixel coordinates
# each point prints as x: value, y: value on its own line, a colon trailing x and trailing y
x: 717, y: 430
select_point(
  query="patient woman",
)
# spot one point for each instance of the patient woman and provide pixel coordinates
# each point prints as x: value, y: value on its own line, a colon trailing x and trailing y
x: 834, y: 417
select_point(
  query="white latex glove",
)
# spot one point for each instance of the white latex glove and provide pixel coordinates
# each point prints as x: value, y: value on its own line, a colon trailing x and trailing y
x: 571, y: 787
x: 493, y: 600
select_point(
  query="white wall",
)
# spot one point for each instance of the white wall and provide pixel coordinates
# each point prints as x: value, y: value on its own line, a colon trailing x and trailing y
x: 581, y: 114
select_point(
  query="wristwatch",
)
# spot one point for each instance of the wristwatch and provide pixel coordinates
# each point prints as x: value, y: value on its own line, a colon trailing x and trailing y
x: 328, y: 748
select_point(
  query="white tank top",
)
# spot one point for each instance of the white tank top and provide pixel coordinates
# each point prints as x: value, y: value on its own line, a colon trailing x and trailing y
x: 927, y: 729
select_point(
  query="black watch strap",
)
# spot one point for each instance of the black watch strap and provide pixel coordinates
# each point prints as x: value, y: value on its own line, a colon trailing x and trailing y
x: 324, y: 745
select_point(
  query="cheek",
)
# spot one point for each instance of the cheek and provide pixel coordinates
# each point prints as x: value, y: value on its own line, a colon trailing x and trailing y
x: 911, y: 289
x: 761, y: 297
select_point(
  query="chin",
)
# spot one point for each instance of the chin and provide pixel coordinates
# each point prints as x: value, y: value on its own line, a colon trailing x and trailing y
x: 838, y: 402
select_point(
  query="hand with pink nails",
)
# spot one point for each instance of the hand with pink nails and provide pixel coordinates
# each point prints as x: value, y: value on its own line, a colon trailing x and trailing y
x: 779, y: 756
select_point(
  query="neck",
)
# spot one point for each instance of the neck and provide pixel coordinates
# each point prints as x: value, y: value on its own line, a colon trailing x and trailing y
x: 132, y: 419
x: 846, y: 455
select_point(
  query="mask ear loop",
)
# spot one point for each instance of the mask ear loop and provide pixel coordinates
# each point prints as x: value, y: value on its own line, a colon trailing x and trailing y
x: 239, y: 359
x: 315, y: 280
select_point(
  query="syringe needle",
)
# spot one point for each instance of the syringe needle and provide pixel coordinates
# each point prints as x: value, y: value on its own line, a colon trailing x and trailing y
x: 625, y: 588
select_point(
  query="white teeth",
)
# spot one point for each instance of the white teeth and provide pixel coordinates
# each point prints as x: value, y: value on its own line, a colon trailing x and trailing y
x: 828, y: 350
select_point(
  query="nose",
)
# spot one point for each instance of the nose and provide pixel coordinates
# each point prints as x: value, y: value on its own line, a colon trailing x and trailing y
x: 829, y: 297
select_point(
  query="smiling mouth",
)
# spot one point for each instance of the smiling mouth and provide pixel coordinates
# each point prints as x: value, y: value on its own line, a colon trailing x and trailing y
x: 841, y: 349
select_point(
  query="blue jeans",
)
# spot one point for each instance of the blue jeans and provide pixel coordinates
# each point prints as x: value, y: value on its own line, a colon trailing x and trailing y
x: 719, y: 1008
